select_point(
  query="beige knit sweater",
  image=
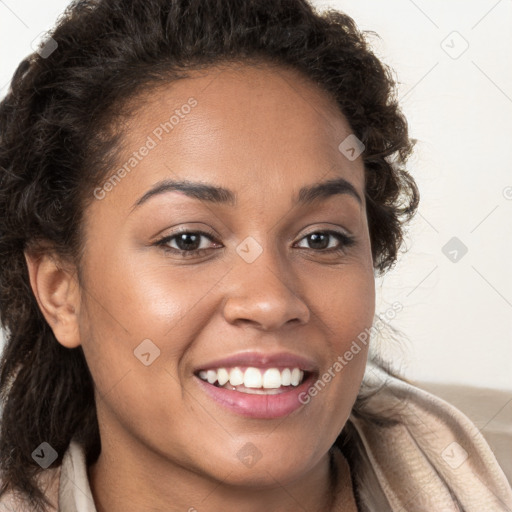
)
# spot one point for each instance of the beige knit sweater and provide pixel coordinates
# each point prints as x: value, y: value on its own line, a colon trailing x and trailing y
x: 433, y: 460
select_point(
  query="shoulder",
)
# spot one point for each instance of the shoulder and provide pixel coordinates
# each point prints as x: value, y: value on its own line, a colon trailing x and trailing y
x: 66, y: 487
x: 432, y: 455
x: 48, y: 482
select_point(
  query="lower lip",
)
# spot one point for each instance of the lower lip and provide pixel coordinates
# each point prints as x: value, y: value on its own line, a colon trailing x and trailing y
x: 258, y: 406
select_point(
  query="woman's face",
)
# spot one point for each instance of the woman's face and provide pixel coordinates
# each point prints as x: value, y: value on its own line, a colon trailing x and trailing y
x: 273, y: 287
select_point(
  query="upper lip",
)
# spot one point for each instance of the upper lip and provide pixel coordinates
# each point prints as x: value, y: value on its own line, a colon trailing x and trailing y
x: 262, y: 360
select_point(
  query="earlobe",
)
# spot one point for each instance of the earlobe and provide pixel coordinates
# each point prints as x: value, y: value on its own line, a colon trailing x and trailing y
x: 58, y: 295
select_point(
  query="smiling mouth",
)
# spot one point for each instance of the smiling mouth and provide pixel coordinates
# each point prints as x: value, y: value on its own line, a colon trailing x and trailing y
x: 253, y: 380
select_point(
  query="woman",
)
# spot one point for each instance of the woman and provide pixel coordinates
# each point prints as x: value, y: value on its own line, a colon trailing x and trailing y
x: 196, y: 196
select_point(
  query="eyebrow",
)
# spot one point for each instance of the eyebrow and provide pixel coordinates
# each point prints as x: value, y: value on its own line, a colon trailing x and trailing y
x: 219, y: 195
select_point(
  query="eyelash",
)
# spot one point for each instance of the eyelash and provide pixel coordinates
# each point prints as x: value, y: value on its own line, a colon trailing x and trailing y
x: 346, y: 241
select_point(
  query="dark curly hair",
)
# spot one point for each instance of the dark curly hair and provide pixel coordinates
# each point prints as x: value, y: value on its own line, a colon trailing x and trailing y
x: 59, y: 133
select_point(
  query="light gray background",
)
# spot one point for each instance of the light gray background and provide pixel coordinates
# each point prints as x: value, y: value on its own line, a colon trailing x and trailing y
x: 456, y: 315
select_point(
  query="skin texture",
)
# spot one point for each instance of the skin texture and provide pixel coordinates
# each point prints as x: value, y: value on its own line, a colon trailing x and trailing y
x: 263, y: 133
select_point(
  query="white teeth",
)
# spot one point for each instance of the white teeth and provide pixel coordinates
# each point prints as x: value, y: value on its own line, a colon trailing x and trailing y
x: 252, y: 378
x: 236, y: 377
x: 286, y: 377
x: 271, y: 378
x: 222, y: 376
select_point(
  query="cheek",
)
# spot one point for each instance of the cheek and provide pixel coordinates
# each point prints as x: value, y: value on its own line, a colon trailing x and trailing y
x: 345, y: 302
x: 345, y: 307
x: 127, y: 298
x: 137, y: 321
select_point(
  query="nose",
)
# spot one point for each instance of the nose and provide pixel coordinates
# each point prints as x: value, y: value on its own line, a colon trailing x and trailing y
x: 261, y: 293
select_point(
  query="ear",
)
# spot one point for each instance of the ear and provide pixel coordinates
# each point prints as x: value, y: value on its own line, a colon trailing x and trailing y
x: 57, y: 293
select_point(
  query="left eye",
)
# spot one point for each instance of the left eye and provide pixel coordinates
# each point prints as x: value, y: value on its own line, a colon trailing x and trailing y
x: 318, y: 238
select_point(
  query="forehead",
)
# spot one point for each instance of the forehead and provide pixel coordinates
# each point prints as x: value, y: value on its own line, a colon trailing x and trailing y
x: 251, y: 129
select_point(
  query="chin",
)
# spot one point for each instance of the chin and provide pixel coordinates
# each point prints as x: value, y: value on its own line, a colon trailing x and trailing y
x: 269, y: 474
x: 259, y: 465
